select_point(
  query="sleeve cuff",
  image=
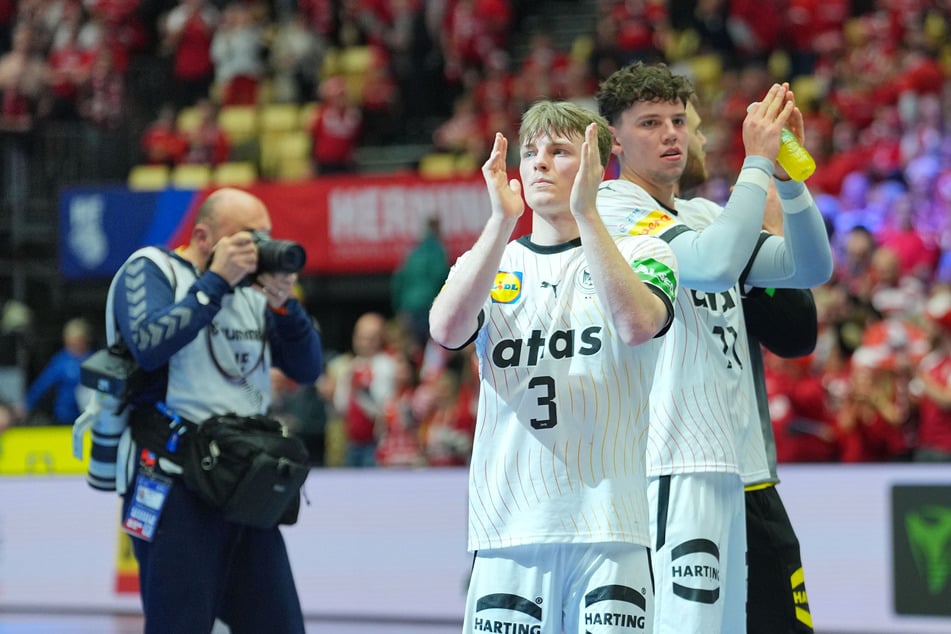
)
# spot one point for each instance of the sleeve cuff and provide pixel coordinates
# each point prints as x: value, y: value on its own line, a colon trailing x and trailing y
x: 756, y: 171
x: 794, y: 196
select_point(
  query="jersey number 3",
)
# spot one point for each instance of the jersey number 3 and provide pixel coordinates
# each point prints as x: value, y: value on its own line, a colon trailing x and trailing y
x: 546, y: 400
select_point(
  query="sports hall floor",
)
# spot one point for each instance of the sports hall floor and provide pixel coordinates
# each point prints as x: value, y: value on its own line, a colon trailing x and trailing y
x: 21, y: 623
x: 108, y: 624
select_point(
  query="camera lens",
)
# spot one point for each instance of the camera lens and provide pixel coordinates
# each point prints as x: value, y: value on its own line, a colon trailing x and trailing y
x: 281, y: 256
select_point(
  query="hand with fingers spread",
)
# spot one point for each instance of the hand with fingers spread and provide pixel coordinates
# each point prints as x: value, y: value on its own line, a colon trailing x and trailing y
x: 765, y: 120
x: 505, y: 195
x: 584, y: 192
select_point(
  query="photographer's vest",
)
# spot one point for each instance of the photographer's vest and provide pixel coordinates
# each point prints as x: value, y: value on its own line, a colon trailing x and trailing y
x: 225, y: 368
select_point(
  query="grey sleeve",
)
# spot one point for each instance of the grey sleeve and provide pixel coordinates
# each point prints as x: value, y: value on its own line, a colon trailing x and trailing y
x: 712, y: 260
x: 802, y: 257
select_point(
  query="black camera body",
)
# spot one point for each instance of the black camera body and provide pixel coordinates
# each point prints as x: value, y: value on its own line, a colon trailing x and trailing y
x: 112, y: 371
x: 275, y: 256
x: 278, y: 256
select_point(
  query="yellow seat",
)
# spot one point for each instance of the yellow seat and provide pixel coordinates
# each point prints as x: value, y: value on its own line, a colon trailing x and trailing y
x: 307, y: 114
x: 330, y: 65
x: 239, y: 123
x: 295, y: 144
x: 278, y: 146
x: 240, y: 173
x: 279, y: 117
x: 191, y: 176
x: 270, y: 151
x: 437, y: 165
x: 291, y: 168
x: 355, y: 60
x: 466, y: 164
x: 293, y: 156
x: 188, y: 119
x: 148, y: 177
x: 707, y: 70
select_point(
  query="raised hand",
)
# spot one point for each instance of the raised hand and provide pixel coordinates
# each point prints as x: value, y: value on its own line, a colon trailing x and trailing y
x: 234, y: 257
x: 584, y: 191
x: 505, y: 195
x: 765, y: 120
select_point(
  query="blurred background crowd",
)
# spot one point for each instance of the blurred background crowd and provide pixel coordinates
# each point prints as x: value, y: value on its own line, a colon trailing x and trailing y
x: 92, y: 91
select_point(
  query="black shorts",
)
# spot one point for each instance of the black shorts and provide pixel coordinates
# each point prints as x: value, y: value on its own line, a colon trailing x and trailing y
x: 776, y: 601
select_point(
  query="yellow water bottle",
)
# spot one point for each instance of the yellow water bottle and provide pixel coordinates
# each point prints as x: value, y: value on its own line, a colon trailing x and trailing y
x: 794, y: 158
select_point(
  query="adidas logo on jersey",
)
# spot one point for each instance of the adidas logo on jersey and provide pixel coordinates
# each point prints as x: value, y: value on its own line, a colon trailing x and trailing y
x: 561, y: 344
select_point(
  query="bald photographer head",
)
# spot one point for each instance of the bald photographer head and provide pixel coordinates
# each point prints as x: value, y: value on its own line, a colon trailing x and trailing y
x: 223, y: 239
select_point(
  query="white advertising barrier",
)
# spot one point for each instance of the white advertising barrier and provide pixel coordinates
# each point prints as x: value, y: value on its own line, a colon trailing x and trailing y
x: 391, y: 544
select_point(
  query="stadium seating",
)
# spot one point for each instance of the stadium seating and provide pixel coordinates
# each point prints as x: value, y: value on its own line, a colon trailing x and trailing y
x: 191, y: 176
x: 438, y: 165
x: 148, y: 177
x: 237, y: 173
x: 239, y: 123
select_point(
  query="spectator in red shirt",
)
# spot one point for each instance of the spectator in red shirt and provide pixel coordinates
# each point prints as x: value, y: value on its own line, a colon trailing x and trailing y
x: 336, y: 129
x: 873, y: 418
x: 449, y: 427
x: 399, y: 444
x: 102, y: 97
x: 69, y: 62
x: 642, y: 27
x: 23, y: 92
x: 933, y: 385
x: 802, y: 423
x: 187, y: 33
x: 365, y: 383
x: 915, y: 257
x: 162, y: 142
x: 207, y: 143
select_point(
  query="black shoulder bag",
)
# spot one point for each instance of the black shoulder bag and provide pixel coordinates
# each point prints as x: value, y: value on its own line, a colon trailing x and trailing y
x: 249, y: 467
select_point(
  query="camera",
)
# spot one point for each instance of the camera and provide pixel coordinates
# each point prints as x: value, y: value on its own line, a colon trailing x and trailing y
x: 277, y: 256
x: 112, y: 371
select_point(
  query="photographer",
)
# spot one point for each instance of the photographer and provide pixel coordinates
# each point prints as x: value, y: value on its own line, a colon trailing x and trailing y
x: 206, y: 322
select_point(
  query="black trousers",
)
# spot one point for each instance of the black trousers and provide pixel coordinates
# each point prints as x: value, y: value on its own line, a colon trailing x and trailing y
x: 200, y: 567
x: 776, y: 601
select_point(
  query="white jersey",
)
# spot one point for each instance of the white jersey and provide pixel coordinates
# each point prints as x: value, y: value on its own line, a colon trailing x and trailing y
x: 751, y: 448
x: 702, y: 402
x: 563, y: 407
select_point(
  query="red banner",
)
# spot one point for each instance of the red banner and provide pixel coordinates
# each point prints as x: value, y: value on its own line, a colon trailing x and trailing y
x: 367, y: 224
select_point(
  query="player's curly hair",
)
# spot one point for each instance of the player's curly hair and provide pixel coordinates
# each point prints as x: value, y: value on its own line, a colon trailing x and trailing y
x: 567, y: 118
x: 640, y: 82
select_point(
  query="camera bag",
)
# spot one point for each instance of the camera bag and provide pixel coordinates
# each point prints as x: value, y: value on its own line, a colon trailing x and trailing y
x: 247, y: 467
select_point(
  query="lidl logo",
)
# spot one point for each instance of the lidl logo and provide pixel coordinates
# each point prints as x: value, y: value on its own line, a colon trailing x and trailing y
x: 921, y: 540
x: 652, y: 224
x: 507, y: 287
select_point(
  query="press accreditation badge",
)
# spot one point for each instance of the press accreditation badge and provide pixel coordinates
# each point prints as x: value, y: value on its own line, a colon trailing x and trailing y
x: 142, y: 518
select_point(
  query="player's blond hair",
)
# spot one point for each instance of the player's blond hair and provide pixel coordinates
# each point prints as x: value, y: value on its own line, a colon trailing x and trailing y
x: 565, y: 118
